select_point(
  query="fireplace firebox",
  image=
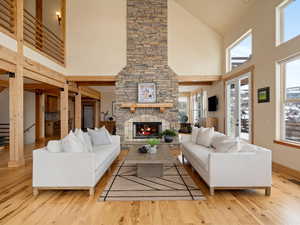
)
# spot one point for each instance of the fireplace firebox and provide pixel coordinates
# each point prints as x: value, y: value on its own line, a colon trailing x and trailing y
x: 144, y: 130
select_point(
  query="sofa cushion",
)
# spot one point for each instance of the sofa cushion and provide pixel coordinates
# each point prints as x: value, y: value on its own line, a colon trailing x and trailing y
x: 100, y: 136
x: 199, y: 153
x: 72, y: 144
x: 195, y: 131
x: 54, y: 146
x: 104, y: 153
x: 205, y: 136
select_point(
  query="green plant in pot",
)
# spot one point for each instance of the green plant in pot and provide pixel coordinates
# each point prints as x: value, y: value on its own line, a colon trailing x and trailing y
x: 153, y: 144
x: 169, y: 135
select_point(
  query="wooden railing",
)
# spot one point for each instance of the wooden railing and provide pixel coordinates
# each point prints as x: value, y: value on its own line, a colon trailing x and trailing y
x: 38, y: 36
x: 7, y: 16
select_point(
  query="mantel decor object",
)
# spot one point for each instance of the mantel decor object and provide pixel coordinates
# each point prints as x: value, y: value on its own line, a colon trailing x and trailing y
x: 146, y: 92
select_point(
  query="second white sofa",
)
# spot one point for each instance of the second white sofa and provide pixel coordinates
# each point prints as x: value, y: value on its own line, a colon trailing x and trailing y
x: 235, y: 170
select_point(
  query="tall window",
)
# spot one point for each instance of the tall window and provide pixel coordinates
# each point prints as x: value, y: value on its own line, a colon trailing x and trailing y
x: 288, y: 14
x: 290, y: 100
x: 240, y: 52
x: 198, y: 108
x: 183, y: 107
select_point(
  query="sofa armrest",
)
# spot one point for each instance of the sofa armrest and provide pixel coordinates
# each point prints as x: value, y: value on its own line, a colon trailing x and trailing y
x: 243, y: 169
x: 63, y: 169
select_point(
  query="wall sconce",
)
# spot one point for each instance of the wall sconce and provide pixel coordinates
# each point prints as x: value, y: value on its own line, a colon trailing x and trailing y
x: 58, y: 14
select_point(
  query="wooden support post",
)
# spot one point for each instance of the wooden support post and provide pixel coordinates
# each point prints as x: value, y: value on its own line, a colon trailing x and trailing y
x: 64, y: 111
x: 39, y: 116
x: 78, y: 111
x: 97, y: 113
x: 16, y: 97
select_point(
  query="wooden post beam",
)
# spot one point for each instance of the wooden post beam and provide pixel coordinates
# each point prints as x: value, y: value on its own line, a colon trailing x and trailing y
x: 64, y: 111
x: 97, y: 113
x: 78, y: 111
x: 39, y: 115
x: 16, y: 97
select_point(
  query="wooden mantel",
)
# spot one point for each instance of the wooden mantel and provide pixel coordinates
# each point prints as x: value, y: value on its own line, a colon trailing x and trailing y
x: 162, y: 106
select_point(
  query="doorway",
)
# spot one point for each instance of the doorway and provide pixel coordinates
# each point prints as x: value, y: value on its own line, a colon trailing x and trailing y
x: 239, y: 107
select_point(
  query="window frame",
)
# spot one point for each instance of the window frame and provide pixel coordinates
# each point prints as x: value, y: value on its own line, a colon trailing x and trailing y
x: 284, y: 100
x: 235, y: 43
x: 280, y: 35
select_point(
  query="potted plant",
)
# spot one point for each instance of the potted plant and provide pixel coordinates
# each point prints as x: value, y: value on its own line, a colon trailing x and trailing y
x: 169, y: 135
x: 153, y: 144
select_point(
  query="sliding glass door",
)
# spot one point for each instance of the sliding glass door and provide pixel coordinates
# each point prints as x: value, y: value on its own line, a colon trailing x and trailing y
x: 238, y: 107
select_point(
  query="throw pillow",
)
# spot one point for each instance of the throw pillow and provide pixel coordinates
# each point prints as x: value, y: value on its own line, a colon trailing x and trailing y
x: 72, y: 144
x: 217, y: 137
x: 54, y: 146
x: 88, y: 142
x: 195, y: 131
x: 100, y: 137
x: 205, y: 136
x: 229, y: 145
x: 79, y: 134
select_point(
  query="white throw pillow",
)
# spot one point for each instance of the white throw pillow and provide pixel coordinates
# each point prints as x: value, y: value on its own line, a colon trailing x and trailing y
x: 88, y: 141
x: 229, y: 145
x: 217, y: 137
x: 79, y: 134
x: 195, y: 131
x: 205, y: 136
x: 100, y: 137
x: 246, y: 147
x: 71, y: 143
x: 54, y: 146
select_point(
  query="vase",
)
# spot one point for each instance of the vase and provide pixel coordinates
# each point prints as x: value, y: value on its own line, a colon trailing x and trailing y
x: 168, y: 139
x: 153, y: 150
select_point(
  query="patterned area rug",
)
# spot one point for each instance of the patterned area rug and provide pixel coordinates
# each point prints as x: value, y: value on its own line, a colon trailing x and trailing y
x: 176, y: 184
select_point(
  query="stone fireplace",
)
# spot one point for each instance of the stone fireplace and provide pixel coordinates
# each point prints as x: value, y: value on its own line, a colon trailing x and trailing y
x: 147, y: 61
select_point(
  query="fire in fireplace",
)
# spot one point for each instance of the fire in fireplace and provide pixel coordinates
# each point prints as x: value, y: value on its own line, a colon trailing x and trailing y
x: 144, y: 130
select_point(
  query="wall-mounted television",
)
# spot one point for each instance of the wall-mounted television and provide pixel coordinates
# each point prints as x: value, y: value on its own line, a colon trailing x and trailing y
x: 213, y: 104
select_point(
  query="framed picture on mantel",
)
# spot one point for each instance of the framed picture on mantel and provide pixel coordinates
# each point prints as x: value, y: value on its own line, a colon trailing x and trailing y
x: 146, y: 92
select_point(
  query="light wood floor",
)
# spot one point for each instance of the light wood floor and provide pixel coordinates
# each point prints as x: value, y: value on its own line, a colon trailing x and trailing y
x: 19, y: 207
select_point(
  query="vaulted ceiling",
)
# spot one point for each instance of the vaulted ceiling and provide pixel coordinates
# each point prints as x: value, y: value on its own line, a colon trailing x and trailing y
x: 218, y: 14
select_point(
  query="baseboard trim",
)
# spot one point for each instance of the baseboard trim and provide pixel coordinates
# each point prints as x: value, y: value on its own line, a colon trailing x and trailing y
x: 280, y: 168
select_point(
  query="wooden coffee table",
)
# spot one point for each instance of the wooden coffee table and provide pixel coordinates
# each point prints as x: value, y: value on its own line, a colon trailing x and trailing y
x: 150, y: 165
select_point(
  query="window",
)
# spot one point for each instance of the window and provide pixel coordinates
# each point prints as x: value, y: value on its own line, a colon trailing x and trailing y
x: 288, y: 20
x: 183, y: 107
x: 198, y: 108
x: 240, y: 52
x: 290, y: 100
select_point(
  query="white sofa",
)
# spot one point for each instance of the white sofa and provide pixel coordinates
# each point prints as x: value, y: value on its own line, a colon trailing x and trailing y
x: 73, y: 170
x: 239, y: 170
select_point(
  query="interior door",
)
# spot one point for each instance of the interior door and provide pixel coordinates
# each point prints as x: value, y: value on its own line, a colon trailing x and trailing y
x: 238, y: 107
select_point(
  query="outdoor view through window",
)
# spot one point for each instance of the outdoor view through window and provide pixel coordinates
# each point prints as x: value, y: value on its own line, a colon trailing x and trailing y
x: 291, y: 106
x: 290, y: 20
x: 240, y: 52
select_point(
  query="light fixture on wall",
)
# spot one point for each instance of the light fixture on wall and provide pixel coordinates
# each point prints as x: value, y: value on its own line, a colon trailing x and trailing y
x: 58, y: 14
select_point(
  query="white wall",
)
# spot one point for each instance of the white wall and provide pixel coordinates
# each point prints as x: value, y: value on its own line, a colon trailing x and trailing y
x: 96, y: 41
x: 193, y: 47
x: 29, y: 113
x: 29, y: 116
x: 96, y: 37
x: 261, y: 18
x: 217, y: 90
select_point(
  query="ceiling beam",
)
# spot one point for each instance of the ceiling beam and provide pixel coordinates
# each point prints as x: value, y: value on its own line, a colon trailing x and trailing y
x: 91, y: 78
x: 196, y: 83
x: 199, y: 78
x: 96, y: 83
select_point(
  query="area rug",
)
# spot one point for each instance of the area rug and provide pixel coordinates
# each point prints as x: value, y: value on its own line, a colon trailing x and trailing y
x: 176, y: 184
